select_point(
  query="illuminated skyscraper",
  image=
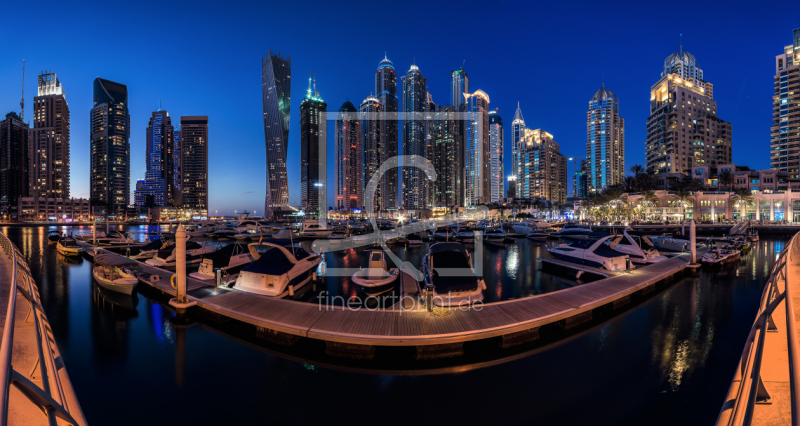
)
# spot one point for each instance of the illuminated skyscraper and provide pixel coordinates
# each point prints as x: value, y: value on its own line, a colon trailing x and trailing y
x: 785, y: 137
x: 415, y: 96
x: 605, y: 141
x: 447, y: 158
x: 194, y: 163
x: 517, y: 131
x: 543, y: 173
x: 496, y: 177
x: 476, y: 149
x: 459, y: 86
x: 159, y: 178
x: 14, y: 164
x: 49, y: 138
x: 349, y: 163
x: 313, y: 153
x: 110, y: 173
x: 276, y: 73
x: 386, y: 92
x: 369, y: 115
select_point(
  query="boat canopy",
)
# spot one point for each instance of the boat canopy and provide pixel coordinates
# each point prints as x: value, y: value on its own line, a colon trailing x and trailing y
x: 108, y: 259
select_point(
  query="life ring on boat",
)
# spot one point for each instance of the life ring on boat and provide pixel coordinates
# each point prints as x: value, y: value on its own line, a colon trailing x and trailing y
x: 172, y: 281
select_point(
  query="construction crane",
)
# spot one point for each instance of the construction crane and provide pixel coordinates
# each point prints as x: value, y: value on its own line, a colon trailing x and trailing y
x: 22, y: 99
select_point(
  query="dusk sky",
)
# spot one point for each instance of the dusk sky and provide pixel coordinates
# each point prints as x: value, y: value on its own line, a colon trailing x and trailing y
x: 204, y: 58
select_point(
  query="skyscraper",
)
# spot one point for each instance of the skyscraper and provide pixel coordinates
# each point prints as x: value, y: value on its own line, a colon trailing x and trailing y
x: 194, y: 162
x: 459, y: 86
x: 605, y: 141
x: 349, y: 164
x: 683, y: 129
x: 476, y: 149
x: 49, y: 139
x: 159, y: 179
x: 580, y: 181
x: 447, y: 158
x: 386, y: 92
x: 517, y: 131
x: 415, y: 95
x: 784, y: 147
x: 276, y: 74
x: 313, y: 153
x: 496, y: 177
x: 543, y: 173
x: 369, y: 115
x: 110, y: 173
x: 14, y: 164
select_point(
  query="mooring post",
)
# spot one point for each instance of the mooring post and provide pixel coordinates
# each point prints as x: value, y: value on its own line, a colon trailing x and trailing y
x: 179, y: 301
x: 692, y: 244
x: 218, y: 273
x: 94, y: 233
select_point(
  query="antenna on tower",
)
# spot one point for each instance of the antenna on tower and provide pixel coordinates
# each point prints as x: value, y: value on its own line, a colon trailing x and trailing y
x: 463, y: 63
x: 22, y: 99
x: 308, y: 93
x: 316, y: 94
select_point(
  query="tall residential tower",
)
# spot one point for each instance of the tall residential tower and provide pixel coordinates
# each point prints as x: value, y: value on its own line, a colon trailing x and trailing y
x: 313, y: 153
x: 14, y: 165
x: 415, y: 97
x: 193, y: 152
x: 785, y: 131
x: 517, y: 131
x: 158, y: 187
x: 476, y: 149
x: 276, y: 73
x: 386, y: 93
x: 605, y: 141
x: 49, y: 139
x: 349, y: 163
x: 110, y: 173
x: 496, y: 177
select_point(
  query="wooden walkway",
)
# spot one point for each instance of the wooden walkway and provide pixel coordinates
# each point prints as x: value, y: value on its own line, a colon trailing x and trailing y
x: 398, y: 327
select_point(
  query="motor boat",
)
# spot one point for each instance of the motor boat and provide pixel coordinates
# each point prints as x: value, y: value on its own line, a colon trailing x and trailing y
x: 413, y: 240
x: 377, y: 279
x: 444, y: 235
x: 223, y: 234
x: 278, y: 272
x: 314, y: 228
x: 116, y: 238
x: 671, y: 242
x: 166, y: 258
x: 195, y: 230
x: 594, y: 252
x: 538, y: 236
x: 639, y: 248
x: 538, y: 223
x: 230, y: 260
x: 449, y: 274
x: 245, y: 236
x: 53, y: 236
x: 515, y: 230
x: 149, y: 250
x: 495, y: 236
x: 720, y: 255
x: 573, y: 233
x: 465, y: 236
x: 110, y: 272
x: 68, y: 247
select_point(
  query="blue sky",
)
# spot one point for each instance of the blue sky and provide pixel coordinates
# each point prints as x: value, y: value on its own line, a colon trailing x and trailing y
x: 204, y: 58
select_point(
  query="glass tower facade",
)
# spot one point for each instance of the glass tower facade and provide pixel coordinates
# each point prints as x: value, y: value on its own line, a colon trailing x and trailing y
x: 14, y: 164
x: 159, y: 179
x: 349, y: 164
x: 369, y: 115
x: 313, y: 153
x: 476, y: 149
x: 415, y: 102
x: 605, y: 141
x: 386, y: 93
x: 193, y: 162
x: 785, y: 137
x: 50, y: 159
x: 276, y: 73
x: 110, y: 173
x: 517, y: 131
x: 496, y: 178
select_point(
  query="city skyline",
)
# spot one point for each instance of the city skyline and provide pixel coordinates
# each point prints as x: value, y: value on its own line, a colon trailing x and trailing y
x: 744, y: 95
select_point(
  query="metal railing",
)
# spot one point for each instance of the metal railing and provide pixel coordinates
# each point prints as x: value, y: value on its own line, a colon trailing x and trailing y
x: 747, y: 388
x: 55, y: 397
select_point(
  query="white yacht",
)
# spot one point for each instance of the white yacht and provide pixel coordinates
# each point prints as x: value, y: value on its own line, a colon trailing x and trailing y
x: 110, y: 272
x: 449, y: 273
x: 538, y: 223
x: 68, y: 246
x: 230, y: 260
x: 593, y: 252
x: 495, y: 236
x: 377, y: 279
x: 671, y: 242
x: 639, y: 248
x: 574, y: 233
x: 277, y: 272
x: 315, y: 228
x: 166, y: 258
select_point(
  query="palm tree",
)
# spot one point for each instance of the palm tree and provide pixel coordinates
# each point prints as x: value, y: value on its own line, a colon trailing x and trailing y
x: 682, y: 196
x: 697, y: 184
x: 636, y: 169
x: 649, y: 199
x: 725, y: 178
x: 631, y: 183
x: 743, y: 197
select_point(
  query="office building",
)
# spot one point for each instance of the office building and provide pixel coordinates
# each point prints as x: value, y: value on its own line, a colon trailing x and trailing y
x: 313, y: 153
x: 386, y: 93
x: 476, y: 148
x: 14, y: 165
x: 785, y: 131
x: 193, y: 163
x: 276, y: 73
x: 415, y: 96
x: 496, y: 176
x: 49, y: 140
x: 110, y: 173
x: 349, y: 163
x: 160, y: 157
x: 605, y: 141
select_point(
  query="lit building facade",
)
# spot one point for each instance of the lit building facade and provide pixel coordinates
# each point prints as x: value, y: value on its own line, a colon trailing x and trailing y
x: 313, y: 153
x: 415, y: 96
x: 447, y: 157
x: 57, y: 209
x: 459, y: 86
x: 276, y: 78
x: 349, y: 163
x: 160, y: 160
x: 543, y: 171
x: 496, y: 176
x: 785, y: 131
x: 476, y: 149
x: 517, y: 131
x: 605, y: 141
x: 386, y: 93
x: 110, y: 173
x: 369, y: 116
x: 193, y: 164
x: 14, y: 164
x: 683, y: 129
x: 49, y: 139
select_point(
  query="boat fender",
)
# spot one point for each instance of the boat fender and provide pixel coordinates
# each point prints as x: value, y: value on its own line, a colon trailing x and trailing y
x: 483, y: 284
x: 172, y: 281
x: 578, y: 275
x: 314, y: 276
x: 291, y: 291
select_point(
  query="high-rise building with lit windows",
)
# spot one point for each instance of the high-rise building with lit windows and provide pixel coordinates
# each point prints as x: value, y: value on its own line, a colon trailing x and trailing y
x: 276, y: 78
x: 14, y: 165
x: 110, y: 156
x: 459, y: 85
x: 193, y: 162
x: 369, y: 116
x: 415, y: 103
x: 49, y: 139
x: 605, y: 141
x: 349, y: 160
x: 476, y: 149
x: 159, y: 178
x: 313, y: 153
x: 543, y: 171
x: 785, y: 131
x: 496, y: 177
x: 386, y: 93
x: 447, y: 157
x: 683, y: 129
x: 517, y: 131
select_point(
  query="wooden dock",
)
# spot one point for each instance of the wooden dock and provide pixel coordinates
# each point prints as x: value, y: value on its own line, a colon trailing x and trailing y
x: 360, y: 330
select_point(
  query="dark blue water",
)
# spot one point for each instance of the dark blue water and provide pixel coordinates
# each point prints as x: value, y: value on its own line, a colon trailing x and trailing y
x: 667, y: 360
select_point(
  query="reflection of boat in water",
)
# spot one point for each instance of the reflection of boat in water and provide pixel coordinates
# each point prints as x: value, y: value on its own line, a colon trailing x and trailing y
x: 119, y: 305
x: 109, y: 272
x: 377, y: 279
x: 277, y: 272
x: 448, y: 269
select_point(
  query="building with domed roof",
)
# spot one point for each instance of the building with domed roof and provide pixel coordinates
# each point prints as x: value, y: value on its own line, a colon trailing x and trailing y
x: 683, y: 129
x: 605, y: 141
x: 349, y: 166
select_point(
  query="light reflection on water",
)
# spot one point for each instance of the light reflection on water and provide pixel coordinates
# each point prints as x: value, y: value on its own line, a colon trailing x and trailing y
x: 673, y: 355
